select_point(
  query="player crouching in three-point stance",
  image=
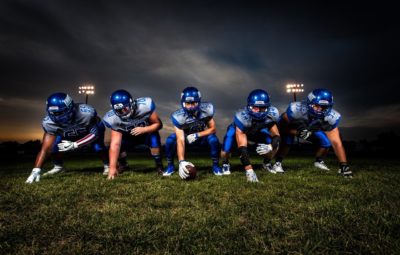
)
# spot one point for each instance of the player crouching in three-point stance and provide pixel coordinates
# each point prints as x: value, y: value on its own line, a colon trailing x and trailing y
x: 256, y: 123
x: 316, y: 121
x: 68, y: 126
x: 132, y: 122
x: 194, y: 125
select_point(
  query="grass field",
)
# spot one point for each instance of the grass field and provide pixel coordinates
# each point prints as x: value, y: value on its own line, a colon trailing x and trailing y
x: 305, y: 211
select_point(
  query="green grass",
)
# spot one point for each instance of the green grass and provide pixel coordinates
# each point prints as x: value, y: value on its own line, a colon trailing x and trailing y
x: 305, y: 211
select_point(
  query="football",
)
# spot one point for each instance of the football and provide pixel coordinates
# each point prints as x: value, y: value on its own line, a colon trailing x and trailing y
x: 192, y: 171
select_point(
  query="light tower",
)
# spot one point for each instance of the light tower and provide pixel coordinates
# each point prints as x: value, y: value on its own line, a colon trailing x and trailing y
x: 294, y: 88
x: 86, y: 89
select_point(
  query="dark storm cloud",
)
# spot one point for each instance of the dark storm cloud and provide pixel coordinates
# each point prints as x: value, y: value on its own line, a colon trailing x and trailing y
x: 225, y: 49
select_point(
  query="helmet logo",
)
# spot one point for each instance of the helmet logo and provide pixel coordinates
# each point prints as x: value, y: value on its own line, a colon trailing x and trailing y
x: 323, y: 102
x: 259, y: 102
x: 188, y: 99
x: 53, y: 108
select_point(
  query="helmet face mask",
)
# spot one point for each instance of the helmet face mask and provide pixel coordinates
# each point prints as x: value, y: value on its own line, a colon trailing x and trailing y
x: 319, y: 103
x: 258, y: 103
x: 122, y: 104
x: 190, y: 100
x: 60, y: 108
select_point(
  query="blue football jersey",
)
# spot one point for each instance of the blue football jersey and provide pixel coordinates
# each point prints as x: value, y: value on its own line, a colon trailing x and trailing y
x: 193, y: 124
x: 84, y: 121
x: 247, y: 124
x: 140, y: 118
x: 297, y: 112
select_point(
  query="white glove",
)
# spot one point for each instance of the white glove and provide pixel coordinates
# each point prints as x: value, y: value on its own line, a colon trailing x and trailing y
x: 67, y: 145
x: 35, y: 176
x: 305, y: 134
x: 183, y: 172
x: 263, y: 148
x: 251, y: 176
x: 192, y: 138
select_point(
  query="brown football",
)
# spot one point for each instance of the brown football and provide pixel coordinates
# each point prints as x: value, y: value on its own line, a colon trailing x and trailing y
x: 192, y: 171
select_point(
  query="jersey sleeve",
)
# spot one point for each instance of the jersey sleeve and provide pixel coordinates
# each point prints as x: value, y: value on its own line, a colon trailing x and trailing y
x: 242, y: 120
x: 333, y: 119
x: 207, y: 110
x: 273, y: 113
x: 110, y: 120
x: 145, y: 105
x: 49, y: 126
x: 178, y: 118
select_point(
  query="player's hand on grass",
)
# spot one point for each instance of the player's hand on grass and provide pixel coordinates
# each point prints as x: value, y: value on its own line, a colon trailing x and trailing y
x: 251, y: 176
x: 67, y: 145
x: 345, y: 171
x: 35, y: 176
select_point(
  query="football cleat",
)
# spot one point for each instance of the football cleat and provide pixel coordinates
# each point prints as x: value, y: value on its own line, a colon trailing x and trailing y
x: 169, y: 170
x: 226, y: 169
x: 217, y: 170
x: 106, y: 169
x: 278, y: 168
x: 321, y: 165
x: 268, y: 167
x: 56, y: 169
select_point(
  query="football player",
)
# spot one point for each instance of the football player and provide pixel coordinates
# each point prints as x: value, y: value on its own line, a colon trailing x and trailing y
x: 68, y: 126
x: 255, y: 123
x: 194, y: 125
x: 313, y: 120
x: 132, y: 122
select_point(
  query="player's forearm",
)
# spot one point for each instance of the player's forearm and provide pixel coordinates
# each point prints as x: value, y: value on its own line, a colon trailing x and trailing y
x: 86, y: 140
x: 180, y: 144
x: 153, y: 127
x: 207, y: 132
x: 113, y: 157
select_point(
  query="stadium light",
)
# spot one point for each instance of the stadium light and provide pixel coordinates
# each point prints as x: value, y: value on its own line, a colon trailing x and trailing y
x: 294, y: 88
x: 87, y: 90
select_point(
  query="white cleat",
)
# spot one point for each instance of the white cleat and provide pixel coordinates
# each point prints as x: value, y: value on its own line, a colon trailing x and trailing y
x: 321, y: 165
x: 56, y: 169
x: 268, y: 167
x: 106, y: 169
x: 226, y: 169
x: 278, y: 168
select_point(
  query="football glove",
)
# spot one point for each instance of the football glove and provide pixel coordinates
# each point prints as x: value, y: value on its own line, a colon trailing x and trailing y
x: 304, y: 134
x: 345, y: 171
x: 263, y: 148
x: 192, y: 138
x: 35, y: 176
x: 67, y: 145
x: 251, y: 176
x: 183, y: 172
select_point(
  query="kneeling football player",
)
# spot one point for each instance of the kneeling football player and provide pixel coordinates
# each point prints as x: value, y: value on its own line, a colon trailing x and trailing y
x: 68, y: 126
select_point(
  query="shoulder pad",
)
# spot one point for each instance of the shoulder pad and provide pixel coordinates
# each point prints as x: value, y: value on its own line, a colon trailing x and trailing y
x: 296, y: 110
x: 110, y: 119
x: 333, y: 118
x: 178, y: 118
x: 273, y: 113
x: 207, y: 109
x: 144, y: 105
x: 242, y: 119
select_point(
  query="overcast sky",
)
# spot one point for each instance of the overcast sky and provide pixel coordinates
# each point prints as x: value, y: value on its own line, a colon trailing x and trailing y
x: 224, y: 49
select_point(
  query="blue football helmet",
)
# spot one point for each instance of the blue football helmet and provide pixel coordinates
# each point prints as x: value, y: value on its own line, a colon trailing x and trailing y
x: 60, y: 108
x: 122, y: 103
x: 319, y: 103
x: 191, y: 95
x: 258, y: 98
